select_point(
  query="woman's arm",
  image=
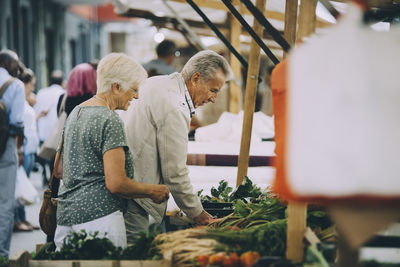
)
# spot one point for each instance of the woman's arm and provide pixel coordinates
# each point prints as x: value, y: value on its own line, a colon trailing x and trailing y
x: 59, y: 169
x: 118, y: 183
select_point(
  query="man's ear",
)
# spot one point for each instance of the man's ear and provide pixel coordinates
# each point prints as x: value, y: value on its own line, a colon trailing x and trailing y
x: 195, y: 77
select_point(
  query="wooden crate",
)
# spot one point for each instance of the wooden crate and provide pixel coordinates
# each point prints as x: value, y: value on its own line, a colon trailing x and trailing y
x: 23, y: 259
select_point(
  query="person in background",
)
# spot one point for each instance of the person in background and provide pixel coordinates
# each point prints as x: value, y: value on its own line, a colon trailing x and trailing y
x: 97, y: 169
x: 157, y: 128
x: 13, y: 99
x: 81, y: 86
x: 165, y: 56
x: 46, y: 101
x: 30, y: 146
x: 31, y: 142
x: 46, y: 111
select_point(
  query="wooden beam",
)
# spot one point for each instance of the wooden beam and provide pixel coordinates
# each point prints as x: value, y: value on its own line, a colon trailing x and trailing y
x: 234, y: 89
x: 290, y: 22
x: 249, y: 104
x: 269, y: 14
x: 307, y: 18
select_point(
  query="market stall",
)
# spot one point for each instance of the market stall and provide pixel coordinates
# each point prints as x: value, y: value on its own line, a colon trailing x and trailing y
x: 277, y: 226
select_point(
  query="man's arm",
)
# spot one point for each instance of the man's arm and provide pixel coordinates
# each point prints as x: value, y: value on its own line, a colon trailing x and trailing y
x: 172, y: 138
x: 17, y: 112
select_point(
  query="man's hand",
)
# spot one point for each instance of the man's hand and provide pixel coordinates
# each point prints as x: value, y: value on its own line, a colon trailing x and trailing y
x: 203, y: 218
x: 159, y: 193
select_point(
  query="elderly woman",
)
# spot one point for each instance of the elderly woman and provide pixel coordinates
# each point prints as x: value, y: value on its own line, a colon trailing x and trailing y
x: 97, y: 166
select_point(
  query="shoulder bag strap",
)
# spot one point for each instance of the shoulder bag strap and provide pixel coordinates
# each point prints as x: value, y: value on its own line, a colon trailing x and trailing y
x: 56, y: 161
x: 5, y: 86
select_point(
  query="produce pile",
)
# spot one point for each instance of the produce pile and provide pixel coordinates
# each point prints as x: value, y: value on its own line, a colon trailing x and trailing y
x: 257, y: 226
x: 84, y: 246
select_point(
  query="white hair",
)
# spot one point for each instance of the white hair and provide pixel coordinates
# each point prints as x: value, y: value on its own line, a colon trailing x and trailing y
x: 121, y: 69
x: 207, y: 63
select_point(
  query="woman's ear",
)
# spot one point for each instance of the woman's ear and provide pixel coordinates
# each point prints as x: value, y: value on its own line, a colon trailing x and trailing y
x: 115, y: 88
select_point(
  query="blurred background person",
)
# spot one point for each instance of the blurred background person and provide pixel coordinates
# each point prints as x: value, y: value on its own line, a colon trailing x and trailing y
x: 46, y: 111
x: 13, y: 99
x: 31, y: 142
x: 29, y: 148
x: 81, y: 86
x: 162, y: 64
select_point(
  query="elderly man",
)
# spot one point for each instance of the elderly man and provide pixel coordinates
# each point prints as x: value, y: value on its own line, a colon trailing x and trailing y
x: 157, y: 130
x: 13, y: 97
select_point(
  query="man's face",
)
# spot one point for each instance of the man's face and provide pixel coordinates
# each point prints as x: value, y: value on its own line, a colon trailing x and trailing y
x: 203, y: 92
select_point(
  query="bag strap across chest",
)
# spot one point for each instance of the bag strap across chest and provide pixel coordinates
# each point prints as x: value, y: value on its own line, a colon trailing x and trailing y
x: 5, y: 86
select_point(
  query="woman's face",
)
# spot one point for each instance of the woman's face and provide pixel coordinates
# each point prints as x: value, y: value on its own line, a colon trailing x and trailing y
x: 126, y: 96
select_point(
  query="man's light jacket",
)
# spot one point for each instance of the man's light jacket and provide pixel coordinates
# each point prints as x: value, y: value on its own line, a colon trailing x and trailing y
x: 157, y: 129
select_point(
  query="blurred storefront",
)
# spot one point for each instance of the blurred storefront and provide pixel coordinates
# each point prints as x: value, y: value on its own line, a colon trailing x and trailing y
x: 51, y: 34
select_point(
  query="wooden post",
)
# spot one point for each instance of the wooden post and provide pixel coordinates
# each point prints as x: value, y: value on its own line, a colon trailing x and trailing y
x: 297, y: 212
x: 297, y: 215
x: 234, y: 89
x: 21, y: 259
x: 307, y: 18
x: 290, y: 22
x: 249, y: 103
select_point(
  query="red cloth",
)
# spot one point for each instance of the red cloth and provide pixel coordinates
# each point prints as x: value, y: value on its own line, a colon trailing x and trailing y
x: 279, y: 93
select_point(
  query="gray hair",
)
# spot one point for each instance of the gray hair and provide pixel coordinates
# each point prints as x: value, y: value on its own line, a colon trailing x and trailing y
x: 207, y: 63
x: 121, y: 69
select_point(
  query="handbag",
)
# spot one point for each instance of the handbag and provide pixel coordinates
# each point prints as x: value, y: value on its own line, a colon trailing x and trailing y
x: 48, y: 210
x: 49, y: 147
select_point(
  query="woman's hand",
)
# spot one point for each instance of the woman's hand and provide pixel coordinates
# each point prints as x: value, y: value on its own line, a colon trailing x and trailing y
x: 159, y: 193
x: 118, y: 183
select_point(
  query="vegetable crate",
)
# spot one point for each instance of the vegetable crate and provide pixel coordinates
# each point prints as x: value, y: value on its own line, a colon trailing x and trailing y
x: 218, y: 209
x: 23, y: 259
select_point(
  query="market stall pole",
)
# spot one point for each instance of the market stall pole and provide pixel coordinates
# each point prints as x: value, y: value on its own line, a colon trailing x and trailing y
x: 234, y: 89
x: 297, y: 211
x: 249, y: 103
x: 290, y: 22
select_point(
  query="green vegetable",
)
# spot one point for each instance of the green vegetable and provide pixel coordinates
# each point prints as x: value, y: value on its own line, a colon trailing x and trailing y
x: 318, y: 217
x: 241, y: 209
x: 45, y: 251
x: 143, y: 247
x: 225, y: 193
x: 268, y: 239
x: 314, y: 258
x: 3, y: 261
x: 245, y: 189
x: 80, y: 245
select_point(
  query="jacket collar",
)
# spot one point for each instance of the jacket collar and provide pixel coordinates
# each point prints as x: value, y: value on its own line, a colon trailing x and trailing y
x: 184, y: 90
